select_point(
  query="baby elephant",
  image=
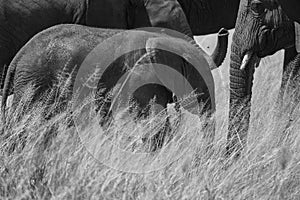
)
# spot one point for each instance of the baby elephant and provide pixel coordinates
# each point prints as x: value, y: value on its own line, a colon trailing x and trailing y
x: 64, y: 52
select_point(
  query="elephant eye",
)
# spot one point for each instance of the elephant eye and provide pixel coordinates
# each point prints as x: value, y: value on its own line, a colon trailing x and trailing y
x: 257, y: 7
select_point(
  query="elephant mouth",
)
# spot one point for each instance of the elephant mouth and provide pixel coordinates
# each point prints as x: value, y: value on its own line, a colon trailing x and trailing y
x: 268, y: 42
x: 264, y: 44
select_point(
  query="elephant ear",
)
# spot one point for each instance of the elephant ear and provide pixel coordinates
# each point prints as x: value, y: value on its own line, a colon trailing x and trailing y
x: 168, y: 14
x: 297, y: 35
x: 186, y: 51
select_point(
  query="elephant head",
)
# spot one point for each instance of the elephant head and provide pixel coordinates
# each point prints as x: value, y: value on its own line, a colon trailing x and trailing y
x: 262, y: 28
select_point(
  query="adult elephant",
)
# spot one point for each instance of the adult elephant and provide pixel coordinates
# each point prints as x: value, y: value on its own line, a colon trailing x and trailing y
x: 22, y: 19
x: 262, y: 28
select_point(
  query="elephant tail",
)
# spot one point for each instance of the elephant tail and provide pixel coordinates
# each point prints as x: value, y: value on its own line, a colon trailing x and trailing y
x: 7, y: 89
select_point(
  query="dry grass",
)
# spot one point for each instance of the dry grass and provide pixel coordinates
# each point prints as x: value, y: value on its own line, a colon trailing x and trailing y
x: 47, y: 160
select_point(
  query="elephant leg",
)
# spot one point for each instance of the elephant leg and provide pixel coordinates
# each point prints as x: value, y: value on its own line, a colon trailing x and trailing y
x: 26, y: 93
x: 140, y: 106
x: 142, y: 98
x: 33, y: 86
x: 18, y: 107
x: 140, y: 86
x: 106, y: 86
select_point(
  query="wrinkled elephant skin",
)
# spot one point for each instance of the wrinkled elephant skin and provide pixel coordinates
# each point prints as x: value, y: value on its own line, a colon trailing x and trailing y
x: 59, y: 52
x: 262, y: 28
x: 60, y: 48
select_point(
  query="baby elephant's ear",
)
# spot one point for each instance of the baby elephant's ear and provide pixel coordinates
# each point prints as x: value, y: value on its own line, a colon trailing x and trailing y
x: 297, y: 34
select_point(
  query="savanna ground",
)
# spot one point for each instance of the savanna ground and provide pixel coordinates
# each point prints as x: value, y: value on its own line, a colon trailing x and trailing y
x: 48, y: 160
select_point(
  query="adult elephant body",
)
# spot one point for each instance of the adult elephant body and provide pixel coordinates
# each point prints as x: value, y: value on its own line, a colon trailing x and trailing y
x: 262, y: 28
x: 60, y: 51
x: 22, y: 19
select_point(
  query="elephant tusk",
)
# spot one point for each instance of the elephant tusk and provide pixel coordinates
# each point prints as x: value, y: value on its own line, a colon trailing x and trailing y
x: 246, y: 60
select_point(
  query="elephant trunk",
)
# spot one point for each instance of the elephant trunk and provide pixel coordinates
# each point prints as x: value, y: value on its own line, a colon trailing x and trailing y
x: 241, y: 82
x: 220, y: 51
